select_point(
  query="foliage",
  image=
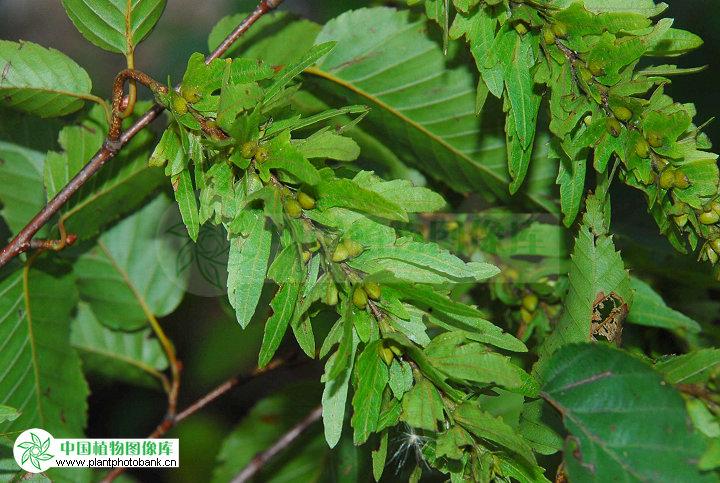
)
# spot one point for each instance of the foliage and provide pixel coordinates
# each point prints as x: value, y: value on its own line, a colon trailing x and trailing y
x: 350, y: 188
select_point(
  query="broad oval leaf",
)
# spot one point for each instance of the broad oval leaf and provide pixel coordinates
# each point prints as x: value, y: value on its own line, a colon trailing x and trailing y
x: 625, y: 423
x: 114, y: 25
x: 134, y: 357
x: 115, y: 189
x: 41, y: 81
x: 42, y: 377
x: 21, y: 191
x: 131, y: 271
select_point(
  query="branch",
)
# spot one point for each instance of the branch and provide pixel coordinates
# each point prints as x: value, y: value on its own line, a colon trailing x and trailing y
x: 173, y: 420
x: 263, y: 457
x: 23, y: 240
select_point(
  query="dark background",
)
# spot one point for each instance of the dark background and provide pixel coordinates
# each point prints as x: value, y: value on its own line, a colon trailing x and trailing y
x: 210, y: 343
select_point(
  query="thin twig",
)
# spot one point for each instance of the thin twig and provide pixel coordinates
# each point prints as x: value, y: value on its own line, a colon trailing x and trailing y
x: 21, y: 242
x: 165, y: 426
x: 263, y: 457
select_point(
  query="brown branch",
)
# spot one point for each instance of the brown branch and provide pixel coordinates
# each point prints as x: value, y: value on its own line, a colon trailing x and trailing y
x: 22, y: 241
x: 263, y: 457
x: 280, y: 362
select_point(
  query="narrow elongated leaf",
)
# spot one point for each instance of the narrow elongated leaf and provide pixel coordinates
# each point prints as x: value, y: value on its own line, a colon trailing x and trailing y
x: 185, y: 197
x: 492, y: 429
x: 625, y: 424
x: 372, y: 377
x: 114, y: 25
x: 334, y: 396
x: 130, y: 271
x: 296, y: 67
x: 596, y: 269
x: 347, y: 194
x: 649, y: 309
x: 134, y: 357
x: 41, y: 81
x: 283, y: 305
x: 247, y: 265
x: 116, y: 189
x: 42, y: 377
x: 690, y: 368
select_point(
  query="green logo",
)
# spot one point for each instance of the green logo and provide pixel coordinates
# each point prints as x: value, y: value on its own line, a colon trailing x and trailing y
x: 35, y: 451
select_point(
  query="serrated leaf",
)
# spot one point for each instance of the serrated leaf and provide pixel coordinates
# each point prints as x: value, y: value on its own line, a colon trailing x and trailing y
x: 598, y: 389
x: 492, y: 429
x: 42, y: 374
x: 114, y: 25
x: 347, y: 194
x: 116, y: 189
x: 247, y: 265
x: 41, y: 81
x: 133, y: 357
x: 401, y: 378
x: 134, y: 263
x: 650, y: 310
x: 283, y: 305
x: 422, y: 407
x: 296, y: 67
x: 469, y: 361
x: 185, y: 197
x: 596, y: 267
x: 284, y: 156
x: 334, y: 396
x: 690, y: 368
x: 372, y: 377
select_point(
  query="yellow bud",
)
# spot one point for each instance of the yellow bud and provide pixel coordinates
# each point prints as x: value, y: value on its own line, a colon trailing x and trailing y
x: 530, y: 302
x: 681, y: 179
x: 306, y: 256
x: 373, y: 290
x: 191, y: 95
x: 179, y: 105
x: 654, y: 139
x: 715, y: 245
x: 521, y: 28
x: 526, y: 315
x: 708, y: 218
x: 248, y: 149
x: 306, y: 201
x: 715, y: 205
x: 667, y: 178
x: 353, y: 248
x: 642, y: 148
x: 622, y: 113
x: 359, y: 297
x: 680, y: 220
x: 331, y: 295
x: 386, y: 355
x: 559, y: 29
x: 261, y: 155
x: 293, y: 208
x: 614, y: 127
x: 341, y: 253
x: 596, y: 68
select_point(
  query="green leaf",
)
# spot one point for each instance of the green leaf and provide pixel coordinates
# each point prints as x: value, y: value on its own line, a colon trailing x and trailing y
x: 21, y: 192
x: 493, y: 430
x: 599, y: 389
x: 117, y: 189
x: 185, y: 197
x: 385, y: 59
x: 422, y: 257
x: 646, y: 8
x: 8, y: 414
x: 650, y: 310
x: 543, y: 439
x: 595, y: 268
x: 327, y: 144
x: 296, y: 67
x: 414, y: 199
x: 379, y: 456
x: 283, y: 305
x: 42, y: 374
x: 689, y: 368
x: 422, y: 407
x: 41, y: 81
x: 471, y: 361
x: 334, y: 395
x: 372, y: 376
x: 115, y: 25
x: 675, y: 42
x: 130, y: 272
x: 284, y: 156
x: 262, y: 41
x: 347, y: 194
x: 401, y: 378
x: 133, y: 357
x: 247, y: 265
x: 571, y: 178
